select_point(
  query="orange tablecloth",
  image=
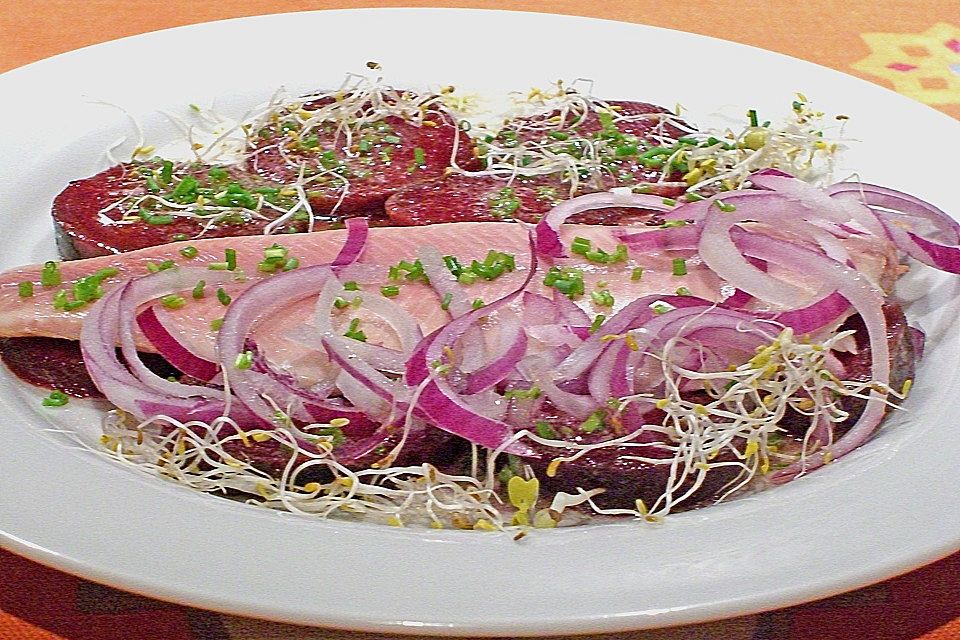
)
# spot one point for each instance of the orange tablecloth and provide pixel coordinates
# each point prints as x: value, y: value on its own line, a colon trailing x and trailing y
x: 911, y: 47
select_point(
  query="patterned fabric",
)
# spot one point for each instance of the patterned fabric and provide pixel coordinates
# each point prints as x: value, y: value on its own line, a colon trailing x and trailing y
x: 913, y: 48
x: 37, y: 603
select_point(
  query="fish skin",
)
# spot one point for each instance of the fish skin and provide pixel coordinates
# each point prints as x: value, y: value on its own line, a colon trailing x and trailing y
x: 35, y: 316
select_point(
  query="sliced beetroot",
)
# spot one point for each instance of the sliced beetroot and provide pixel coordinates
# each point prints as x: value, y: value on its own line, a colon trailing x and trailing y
x: 624, y: 479
x: 461, y: 198
x: 102, y: 215
x: 383, y: 157
x: 487, y: 198
x: 54, y: 363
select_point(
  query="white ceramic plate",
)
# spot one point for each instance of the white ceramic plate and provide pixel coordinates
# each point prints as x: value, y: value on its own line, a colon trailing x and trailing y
x: 890, y: 507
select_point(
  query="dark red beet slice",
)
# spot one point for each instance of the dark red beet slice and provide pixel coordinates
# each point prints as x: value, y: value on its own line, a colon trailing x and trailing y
x: 55, y: 363
x: 487, y: 199
x: 462, y: 198
x: 84, y: 230
x: 384, y: 157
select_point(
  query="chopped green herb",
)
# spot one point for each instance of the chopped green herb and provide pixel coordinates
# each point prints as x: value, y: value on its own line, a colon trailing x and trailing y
x: 231, y: 255
x: 445, y: 303
x: 197, y: 292
x: 636, y: 274
x: 544, y: 430
x: 693, y: 197
x: 593, y: 423
x: 477, y: 303
x: 50, y: 275
x: 189, y: 252
x: 390, y: 291
x: 726, y: 208
x: 291, y: 264
x: 351, y: 285
x: 679, y: 267
x: 244, y: 360
x: 25, y: 289
x: 216, y: 323
x: 173, y: 301
x: 223, y: 297
x: 602, y: 298
x: 353, y: 331
x: 597, y: 321
x: 752, y: 114
x: 683, y: 291
x: 55, y: 399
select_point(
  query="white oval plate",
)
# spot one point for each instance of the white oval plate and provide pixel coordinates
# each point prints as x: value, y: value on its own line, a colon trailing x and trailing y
x: 890, y: 507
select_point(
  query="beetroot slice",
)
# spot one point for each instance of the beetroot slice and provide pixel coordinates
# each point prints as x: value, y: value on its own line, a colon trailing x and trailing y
x: 488, y: 198
x: 384, y: 157
x: 84, y: 230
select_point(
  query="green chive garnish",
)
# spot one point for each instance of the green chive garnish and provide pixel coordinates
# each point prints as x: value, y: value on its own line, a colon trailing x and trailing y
x: 55, y: 399
x: 223, y: 296
x: 50, y: 275
x: 25, y: 289
x: 197, y: 292
x: 679, y: 267
x: 231, y: 255
x: 636, y: 274
x: 173, y: 301
x: 445, y: 303
x: 189, y: 252
x: 390, y: 291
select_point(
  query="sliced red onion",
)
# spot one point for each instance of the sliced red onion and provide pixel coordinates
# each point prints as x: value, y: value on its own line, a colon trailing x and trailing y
x: 353, y: 246
x: 501, y: 366
x: 175, y: 352
x: 444, y: 282
x: 257, y: 301
x: 439, y: 401
x: 547, y: 231
x: 867, y: 300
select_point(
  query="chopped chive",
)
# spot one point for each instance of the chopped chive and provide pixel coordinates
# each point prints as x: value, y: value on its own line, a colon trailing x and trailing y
x: 197, y: 292
x: 25, y: 289
x: 55, y: 399
x: 390, y: 291
x: 166, y: 172
x: 353, y: 331
x: 244, y: 360
x: 50, y: 275
x: 445, y: 303
x: 726, y: 208
x: 683, y: 291
x: 291, y: 264
x: 679, y: 267
x: 752, y: 114
x: 419, y: 156
x: 467, y: 277
x: 580, y: 246
x: 189, y: 252
x: 597, y: 321
x: 231, y: 255
x: 340, y: 303
x: 351, y: 285
x: 636, y: 274
x: 216, y: 323
x: 275, y: 252
x: 694, y: 197
x: 670, y: 224
x: 670, y: 202
x: 602, y: 298
x: 218, y: 266
x: 223, y: 296
x: 593, y: 423
x: 391, y: 139
x: 478, y: 303
x: 155, y: 219
x: 178, y: 237
x: 544, y: 430
x: 173, y: 301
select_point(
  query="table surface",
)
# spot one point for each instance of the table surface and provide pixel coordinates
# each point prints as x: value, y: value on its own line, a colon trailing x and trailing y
x: 913, y: 48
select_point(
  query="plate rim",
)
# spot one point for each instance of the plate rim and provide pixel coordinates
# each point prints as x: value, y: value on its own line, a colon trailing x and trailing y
x: 787, y: 597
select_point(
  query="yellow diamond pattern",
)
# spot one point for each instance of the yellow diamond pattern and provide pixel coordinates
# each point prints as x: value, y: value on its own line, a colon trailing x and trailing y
x: 924, y: 66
